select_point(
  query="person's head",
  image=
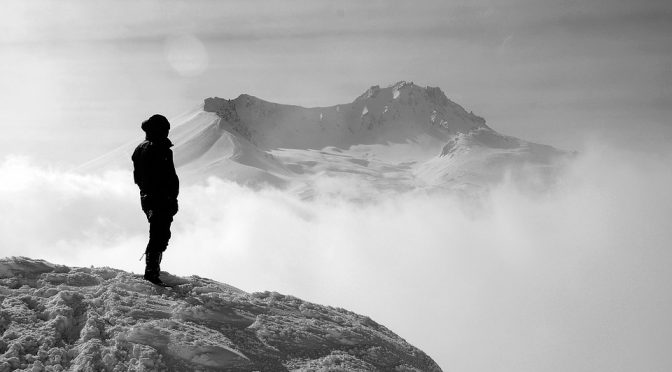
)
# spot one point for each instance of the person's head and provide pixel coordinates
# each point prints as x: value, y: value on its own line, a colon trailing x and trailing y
x: 156, y: 127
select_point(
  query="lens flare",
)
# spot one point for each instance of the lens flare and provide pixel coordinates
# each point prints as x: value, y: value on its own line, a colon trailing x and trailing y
x: 187, y: 55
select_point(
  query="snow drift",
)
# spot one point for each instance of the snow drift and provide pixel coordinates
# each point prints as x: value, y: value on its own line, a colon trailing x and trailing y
x: 56, y: 318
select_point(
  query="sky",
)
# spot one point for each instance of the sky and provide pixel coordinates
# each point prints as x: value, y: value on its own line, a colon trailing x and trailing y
x: 573, y: 279
x: 555, y: 72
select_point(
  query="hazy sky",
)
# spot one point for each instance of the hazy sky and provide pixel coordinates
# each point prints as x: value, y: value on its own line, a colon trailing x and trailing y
x: 550, y: 71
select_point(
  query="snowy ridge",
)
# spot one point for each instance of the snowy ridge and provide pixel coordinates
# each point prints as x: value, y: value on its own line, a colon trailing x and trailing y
x: 393, y: 114
x: 55, y: 318
x: 401, y: 137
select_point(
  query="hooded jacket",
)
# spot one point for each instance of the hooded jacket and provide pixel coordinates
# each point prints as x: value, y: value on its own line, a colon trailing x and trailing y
x: 154, y: 170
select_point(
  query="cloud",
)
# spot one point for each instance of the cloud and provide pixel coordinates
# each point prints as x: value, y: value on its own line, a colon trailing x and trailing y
x: 575, y: 278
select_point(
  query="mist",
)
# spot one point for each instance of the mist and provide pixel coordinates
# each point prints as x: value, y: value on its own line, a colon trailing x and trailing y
x: 574, y: 278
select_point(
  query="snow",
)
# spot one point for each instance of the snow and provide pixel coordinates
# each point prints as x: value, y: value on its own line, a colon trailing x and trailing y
x: 258, y: 143
x: 396, y: 88
x: 56, y: 318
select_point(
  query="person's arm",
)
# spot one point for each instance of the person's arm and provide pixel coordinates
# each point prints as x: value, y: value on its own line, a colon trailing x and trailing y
x: 173, y: 180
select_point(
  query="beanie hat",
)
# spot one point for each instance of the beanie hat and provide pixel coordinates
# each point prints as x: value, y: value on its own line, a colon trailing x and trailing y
x: 156, y: 123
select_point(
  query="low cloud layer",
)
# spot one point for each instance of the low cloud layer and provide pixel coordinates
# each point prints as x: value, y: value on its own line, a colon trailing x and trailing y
x: 574, y: 279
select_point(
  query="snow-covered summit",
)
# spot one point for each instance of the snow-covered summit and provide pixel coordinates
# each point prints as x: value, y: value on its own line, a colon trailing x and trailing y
x: 414, y: 95
x: 401, y: 137
x: 56, y: 318
x: 398, y: 113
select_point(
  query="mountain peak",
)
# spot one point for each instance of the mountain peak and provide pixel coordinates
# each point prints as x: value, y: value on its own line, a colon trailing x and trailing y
x: 405, y: 88
x: 397, y: 113
x: 401, y: 83
x: 373, y: 91
x: 215, y: 104
x: 76, y: 318
x: 370, y: 93
x: 224, y: 108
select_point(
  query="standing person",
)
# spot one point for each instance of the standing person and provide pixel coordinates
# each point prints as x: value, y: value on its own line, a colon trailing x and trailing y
x: 154, y: 173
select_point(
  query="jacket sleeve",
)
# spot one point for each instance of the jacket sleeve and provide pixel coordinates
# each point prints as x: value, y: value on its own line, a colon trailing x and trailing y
x: 173, y: 182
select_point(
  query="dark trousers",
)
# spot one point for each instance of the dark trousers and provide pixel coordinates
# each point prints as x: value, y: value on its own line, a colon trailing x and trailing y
x: 159, y: 232
x: 160, y: 218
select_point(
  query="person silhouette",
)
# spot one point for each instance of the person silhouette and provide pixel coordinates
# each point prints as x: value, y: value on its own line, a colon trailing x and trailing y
x: 154, y: 173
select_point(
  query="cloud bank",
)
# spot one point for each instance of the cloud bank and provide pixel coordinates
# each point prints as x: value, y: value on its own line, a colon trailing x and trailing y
x: 576, y: 278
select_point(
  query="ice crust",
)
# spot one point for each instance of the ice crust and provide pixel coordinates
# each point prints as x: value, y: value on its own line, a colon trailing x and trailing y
x: 58, y: 318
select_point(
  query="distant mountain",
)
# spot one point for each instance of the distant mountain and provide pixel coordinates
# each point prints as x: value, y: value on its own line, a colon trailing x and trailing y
x: 400, y: 137
x: 395, y: 114
x: 59, y: 318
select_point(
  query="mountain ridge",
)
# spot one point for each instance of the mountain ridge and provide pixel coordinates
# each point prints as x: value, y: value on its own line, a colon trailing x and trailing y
x: 373, y: 117
x: 402, y: 137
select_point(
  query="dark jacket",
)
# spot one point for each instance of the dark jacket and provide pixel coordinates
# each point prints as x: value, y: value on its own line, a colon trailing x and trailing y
x: 154, y: 171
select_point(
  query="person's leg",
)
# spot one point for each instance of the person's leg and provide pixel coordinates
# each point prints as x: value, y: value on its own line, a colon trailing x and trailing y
x: 159, y: 235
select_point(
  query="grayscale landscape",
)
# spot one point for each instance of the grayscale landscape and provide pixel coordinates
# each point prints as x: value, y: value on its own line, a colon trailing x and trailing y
x: 364, y: 186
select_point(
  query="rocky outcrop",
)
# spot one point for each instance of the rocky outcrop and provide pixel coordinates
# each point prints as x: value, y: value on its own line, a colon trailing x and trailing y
x: 56, y: 318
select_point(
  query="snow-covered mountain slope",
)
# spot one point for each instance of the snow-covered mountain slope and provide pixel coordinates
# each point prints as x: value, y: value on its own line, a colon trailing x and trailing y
x: 401, y: 137
x: 395, y: 114
x: 55, y: 318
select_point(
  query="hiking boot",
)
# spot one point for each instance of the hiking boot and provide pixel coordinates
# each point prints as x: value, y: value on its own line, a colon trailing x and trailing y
x: 152, y: 268
x: 155, y: 280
